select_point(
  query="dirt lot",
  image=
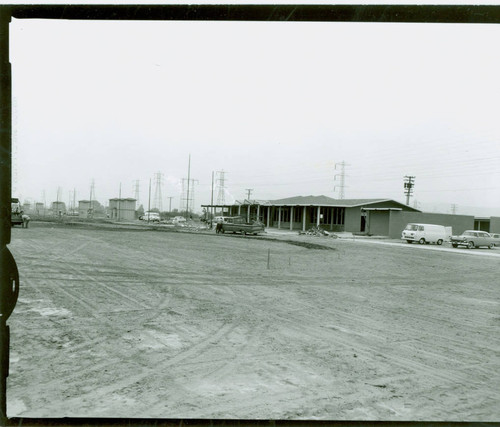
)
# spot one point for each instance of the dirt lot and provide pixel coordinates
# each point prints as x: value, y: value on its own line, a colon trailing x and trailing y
x: 124, y: 323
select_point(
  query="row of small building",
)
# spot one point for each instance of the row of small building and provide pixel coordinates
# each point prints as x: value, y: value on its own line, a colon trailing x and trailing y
x: 381, y: 217
x: 117, y: 209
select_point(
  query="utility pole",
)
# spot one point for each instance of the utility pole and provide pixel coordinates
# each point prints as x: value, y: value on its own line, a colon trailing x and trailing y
x: 187, y: 196
x: 170, y: 204
x: 119, y: 201
x: 136, y: 193
x: 59, y: 190
x: 341, y: 177
x: 189, y: 178
x: 74, y: 199
x: 157, y: 203
x: 149, y: 199
x: 212, y: 201
x: 454, y: 209
x: 409, y: 183
x: 92, y: 195
x: 249, y: 192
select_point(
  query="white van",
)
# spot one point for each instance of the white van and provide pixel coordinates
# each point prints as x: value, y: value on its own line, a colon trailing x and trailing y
x: 426, y: 233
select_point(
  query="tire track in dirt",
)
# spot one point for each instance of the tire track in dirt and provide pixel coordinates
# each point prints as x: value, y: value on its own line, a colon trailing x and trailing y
x: 366, y: 324
x: 402, y: 362
x: 367, y: 350
x: 192, y: 351
x: 135, y: 302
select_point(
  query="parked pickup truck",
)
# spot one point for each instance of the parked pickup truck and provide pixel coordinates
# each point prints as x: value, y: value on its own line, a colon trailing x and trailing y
x: 16, y: 215
x: 238, y: 224
x: 472, y: 239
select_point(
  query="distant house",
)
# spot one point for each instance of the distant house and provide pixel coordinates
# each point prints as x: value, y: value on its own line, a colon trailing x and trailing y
x: 40, y: 208
x: 58, y: 208
x: 122, y: 209
x: 89, y: 209
x: 26, y: 207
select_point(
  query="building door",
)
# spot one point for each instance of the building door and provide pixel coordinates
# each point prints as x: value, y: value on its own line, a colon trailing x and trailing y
x: 363, y: 222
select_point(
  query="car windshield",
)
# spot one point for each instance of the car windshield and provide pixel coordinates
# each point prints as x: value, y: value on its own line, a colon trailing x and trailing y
x: 468, y: 233
x: 411, y: 227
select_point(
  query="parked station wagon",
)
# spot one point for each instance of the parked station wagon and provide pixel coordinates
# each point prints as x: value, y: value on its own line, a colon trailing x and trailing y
x: 495, y: 237
x: 472, y: 239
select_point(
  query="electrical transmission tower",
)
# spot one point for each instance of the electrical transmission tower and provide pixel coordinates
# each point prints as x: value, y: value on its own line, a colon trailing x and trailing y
x: 220, y: 188
x: 409, y: 183
x: 157, y: 202
x: 341, y: 177
x: 187, y: 198
x: 136, y: 192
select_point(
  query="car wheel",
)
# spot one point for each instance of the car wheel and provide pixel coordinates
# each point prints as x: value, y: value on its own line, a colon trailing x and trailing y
x: 440, y: 242
x: 491, y: 245
x: 454, y: 245
x: 422, y: 241
x: 470, y: 245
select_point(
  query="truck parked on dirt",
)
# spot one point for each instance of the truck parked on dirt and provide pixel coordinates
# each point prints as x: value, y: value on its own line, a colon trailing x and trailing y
x: 238, y: 225
x: 426, y: 233
x: 16, y: 216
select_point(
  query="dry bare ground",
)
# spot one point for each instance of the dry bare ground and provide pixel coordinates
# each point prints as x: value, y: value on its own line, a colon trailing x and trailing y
x: 128, y: 323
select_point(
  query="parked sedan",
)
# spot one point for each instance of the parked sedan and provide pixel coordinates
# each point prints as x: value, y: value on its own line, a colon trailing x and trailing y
x: 495, y: 237
x: 472, y: 239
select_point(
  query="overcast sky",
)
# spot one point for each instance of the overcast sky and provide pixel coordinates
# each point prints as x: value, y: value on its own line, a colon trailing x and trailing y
x: 275, y: 105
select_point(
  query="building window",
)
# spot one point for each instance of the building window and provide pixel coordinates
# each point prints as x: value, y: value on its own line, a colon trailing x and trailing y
x: 297, y: 213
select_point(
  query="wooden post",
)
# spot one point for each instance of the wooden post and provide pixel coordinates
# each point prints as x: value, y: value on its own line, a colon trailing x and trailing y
x: 317, y: 216
x: 304, y: 219
x: 279, y: 217
x: 268, y: 215
x: 291, y: 218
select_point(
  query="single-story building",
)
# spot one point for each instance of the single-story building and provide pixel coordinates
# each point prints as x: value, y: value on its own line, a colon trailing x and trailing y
x: 304, y: 212
x: 381, y: 217
x: 88, y: 209
x: 122, y: 208
x: 58, y: 208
